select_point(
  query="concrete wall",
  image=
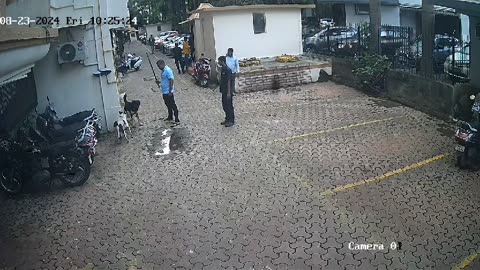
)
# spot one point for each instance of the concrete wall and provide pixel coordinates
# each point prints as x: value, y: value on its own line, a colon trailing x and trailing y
x: 474, y: 52
x: 423, y: 94
x: 283, y: 33
x: 29, y: 8
x: 286, y: 76
x: 390, y: 15
x: 72, y: 86
x: 152, y: 29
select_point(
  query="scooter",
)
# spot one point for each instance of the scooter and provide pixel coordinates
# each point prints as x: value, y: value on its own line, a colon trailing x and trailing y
x: 132, y: 62
x: 201, y: 71
x: 468, y: 138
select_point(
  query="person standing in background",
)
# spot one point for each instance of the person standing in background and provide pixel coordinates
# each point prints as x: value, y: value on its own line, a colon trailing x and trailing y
x: 177, y: 55
x: 186, y: 52
x: 151, y: 41
x: 225, y: 88
x: 232, y: 63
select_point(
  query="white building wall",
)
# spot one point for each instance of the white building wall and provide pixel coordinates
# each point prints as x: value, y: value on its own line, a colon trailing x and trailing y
x: 474, y: 52
x: 465, y: 21
x: 390, y: 15
x: 72, y: 85
x: 408, y: 18
x: 235, y: 29
x: 152, y: 29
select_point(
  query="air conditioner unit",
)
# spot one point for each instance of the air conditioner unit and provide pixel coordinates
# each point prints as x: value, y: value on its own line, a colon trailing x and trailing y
x: 71, y: 52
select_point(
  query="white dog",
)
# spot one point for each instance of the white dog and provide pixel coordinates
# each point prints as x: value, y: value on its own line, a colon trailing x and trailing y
x: 122, y: 125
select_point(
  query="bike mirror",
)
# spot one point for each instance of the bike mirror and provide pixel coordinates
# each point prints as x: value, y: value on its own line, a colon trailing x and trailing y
x: 472, y: 97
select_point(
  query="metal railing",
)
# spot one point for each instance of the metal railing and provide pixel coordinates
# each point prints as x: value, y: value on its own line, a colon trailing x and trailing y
x: 451, y: 57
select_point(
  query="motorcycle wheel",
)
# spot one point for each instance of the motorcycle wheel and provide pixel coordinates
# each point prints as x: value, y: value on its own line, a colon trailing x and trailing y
x: 11, y: 181
x: 462, y: 160
x: 137, y: 69
x: 203, y: 82
x: 78, y: 173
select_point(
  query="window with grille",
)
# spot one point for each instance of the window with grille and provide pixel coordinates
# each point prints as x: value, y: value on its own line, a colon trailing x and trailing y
x: 259, y: 23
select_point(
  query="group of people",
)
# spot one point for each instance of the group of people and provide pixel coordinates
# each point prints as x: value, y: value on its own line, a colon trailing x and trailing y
x: 229, y: 67
x: 183, y: 56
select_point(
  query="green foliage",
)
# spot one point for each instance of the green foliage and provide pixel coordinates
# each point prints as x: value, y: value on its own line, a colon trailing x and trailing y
x: 371, y: 71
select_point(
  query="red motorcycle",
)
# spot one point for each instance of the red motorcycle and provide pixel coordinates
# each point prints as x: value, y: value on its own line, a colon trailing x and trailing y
x: 201, y: 71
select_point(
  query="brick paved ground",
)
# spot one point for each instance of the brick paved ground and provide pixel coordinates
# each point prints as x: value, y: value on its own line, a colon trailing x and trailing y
x: 237, y: 199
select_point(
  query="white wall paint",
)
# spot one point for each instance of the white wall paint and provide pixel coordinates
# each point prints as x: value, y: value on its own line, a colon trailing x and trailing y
x: 235, y: 29
x: 390, y: 15
x: 152, y: 29
x: 28, y: 8
x: 474, y: 52
x: 408, y: 18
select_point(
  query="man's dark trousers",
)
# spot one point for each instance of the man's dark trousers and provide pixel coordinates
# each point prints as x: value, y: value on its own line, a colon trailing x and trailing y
x: 232, y: 82
x: 227, y: 103
x: 171, y: 106
x: 180, y: 65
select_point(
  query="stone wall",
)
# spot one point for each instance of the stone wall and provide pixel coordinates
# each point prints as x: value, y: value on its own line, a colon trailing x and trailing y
x: 278, y: 77
x: 427, y: 95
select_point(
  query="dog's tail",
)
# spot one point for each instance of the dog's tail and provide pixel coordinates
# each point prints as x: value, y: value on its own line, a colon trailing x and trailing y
x: 125, y: 98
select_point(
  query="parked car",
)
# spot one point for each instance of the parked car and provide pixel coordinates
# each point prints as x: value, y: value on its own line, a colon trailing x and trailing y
x: 161, y: 40
x: 326, y: 22
x: 169, y: 46
x: 328, y: 39
x: 410, y: 56
x: 143, y: 38
x: 457, y: 66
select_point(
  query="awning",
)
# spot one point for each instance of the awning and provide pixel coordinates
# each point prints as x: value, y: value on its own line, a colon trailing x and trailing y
x: 468, y: 7
x: 17, y: 63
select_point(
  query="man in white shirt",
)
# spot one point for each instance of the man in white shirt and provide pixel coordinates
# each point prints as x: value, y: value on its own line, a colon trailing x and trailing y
x: 232, y: 63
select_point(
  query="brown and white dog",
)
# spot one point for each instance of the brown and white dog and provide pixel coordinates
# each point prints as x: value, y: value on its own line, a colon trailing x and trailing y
x: 122, y: 125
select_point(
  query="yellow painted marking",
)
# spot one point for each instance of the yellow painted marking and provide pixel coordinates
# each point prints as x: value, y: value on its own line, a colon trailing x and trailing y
x: 385, y: 176
x: 339, y: 128
x: 467, y: 261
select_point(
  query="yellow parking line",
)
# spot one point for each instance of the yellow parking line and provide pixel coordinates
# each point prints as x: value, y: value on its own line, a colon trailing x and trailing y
x: 385, y: 176
x: 467, y: 261
x: 339, y: 128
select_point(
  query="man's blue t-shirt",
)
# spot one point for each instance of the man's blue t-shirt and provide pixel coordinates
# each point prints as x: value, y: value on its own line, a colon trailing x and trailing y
x: 167, y: 75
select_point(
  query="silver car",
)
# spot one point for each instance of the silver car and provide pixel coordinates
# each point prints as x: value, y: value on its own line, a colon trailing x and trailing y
x: 329, y: 39
x: 457, y: 66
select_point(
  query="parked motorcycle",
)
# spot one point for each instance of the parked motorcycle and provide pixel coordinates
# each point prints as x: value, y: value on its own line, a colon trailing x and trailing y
x: 201, y: 71
x: 132, y: 62
x: 468, y: 139
x: 68, y: 126
x: 39, y: 162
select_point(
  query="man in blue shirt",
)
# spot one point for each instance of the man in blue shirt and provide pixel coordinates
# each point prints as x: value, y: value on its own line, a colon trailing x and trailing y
x: 232, y: 63
x: 226, y: 90
x: 168, y: 90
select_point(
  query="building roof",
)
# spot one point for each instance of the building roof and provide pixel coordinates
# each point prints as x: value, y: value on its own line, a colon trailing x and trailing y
x: 248, y: 7
x: 438, y: 9
x: 384, y: 2
x: 469, y: 7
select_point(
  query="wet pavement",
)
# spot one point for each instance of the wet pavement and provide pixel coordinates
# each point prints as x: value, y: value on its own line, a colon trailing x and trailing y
x: 306, y: 179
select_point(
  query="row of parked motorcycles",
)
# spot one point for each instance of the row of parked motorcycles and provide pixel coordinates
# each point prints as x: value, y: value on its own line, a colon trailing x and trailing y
x: 467, y: 133
x: 48, y: 147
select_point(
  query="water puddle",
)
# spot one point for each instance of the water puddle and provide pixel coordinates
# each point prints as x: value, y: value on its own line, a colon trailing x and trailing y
x: 385, y: 103
x: 167, y: 142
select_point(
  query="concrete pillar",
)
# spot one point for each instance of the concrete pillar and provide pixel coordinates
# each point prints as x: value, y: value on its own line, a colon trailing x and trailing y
x: 3, y: 8
x: 465, y: 20
x: 375, y: 26
x: 428, y: 33
x: 474, y: 52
